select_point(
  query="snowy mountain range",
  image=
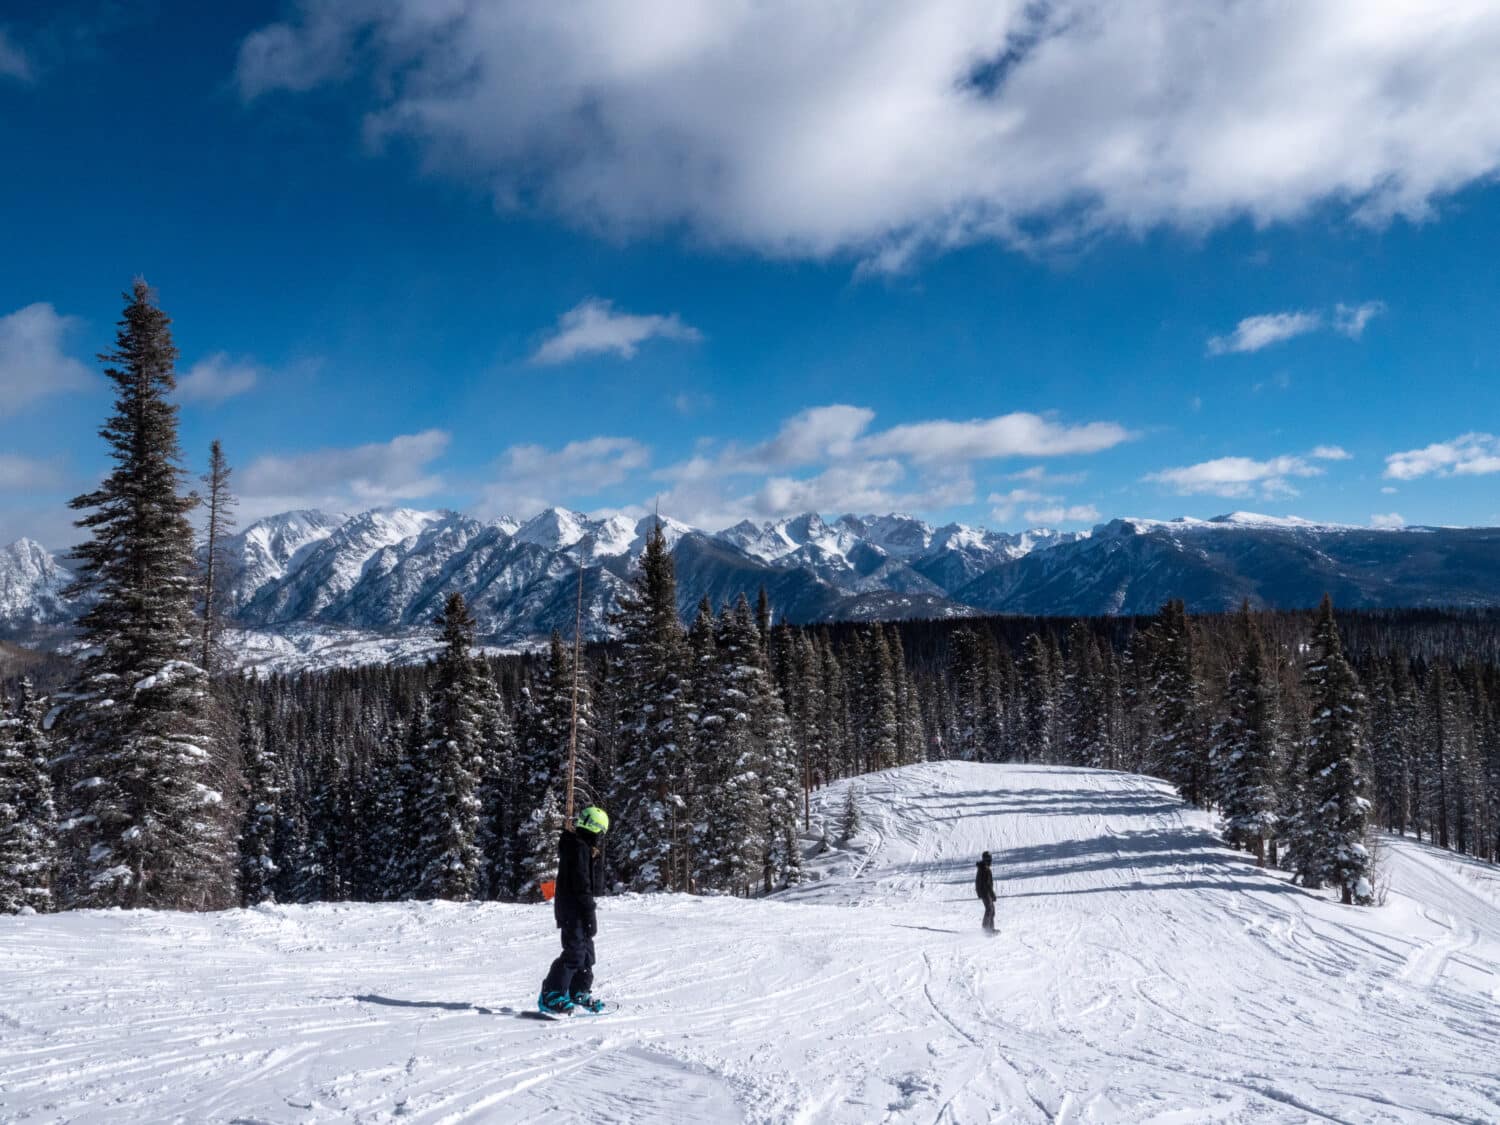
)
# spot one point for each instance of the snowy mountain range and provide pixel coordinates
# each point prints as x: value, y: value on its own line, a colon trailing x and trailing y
x: 309, y: 587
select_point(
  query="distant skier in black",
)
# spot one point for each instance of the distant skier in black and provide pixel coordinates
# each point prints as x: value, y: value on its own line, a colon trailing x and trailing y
x: 984, y: 887
x: 580, y: 876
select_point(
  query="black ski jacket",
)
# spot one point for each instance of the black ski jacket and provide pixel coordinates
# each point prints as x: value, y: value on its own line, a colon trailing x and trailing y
x: 984, y: 881
x: 580, y: 876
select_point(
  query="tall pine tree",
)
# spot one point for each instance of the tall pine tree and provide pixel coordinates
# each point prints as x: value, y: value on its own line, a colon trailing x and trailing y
x: 144, y: 761
x: 1336, y: 809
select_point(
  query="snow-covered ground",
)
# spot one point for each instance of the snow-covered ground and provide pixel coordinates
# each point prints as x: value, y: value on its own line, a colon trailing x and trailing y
x: 1141, y: 973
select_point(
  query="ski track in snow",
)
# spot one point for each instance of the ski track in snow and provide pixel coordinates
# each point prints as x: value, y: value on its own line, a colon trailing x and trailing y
x: 1142, y: 973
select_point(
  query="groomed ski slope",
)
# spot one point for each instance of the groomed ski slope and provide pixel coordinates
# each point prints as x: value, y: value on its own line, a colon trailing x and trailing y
x: 1141, y: 973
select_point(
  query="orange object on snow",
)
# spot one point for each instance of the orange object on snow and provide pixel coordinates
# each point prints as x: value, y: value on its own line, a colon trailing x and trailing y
x: 549, y: 888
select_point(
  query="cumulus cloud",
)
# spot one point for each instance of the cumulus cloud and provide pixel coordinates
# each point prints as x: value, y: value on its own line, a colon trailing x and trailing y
x: 1257, y: 332
x: 361, y: 476
x: 1473, y: 454
x: 1331, y: 453
x: 1350, y: 320
x: 792, y: 128
x: 594, y: 327
x: 1240, y: 477
x: 530, y: 478
x: 216, y: 378
x: 1388, y: 519
x: 14, y: 62
x: 33, y: 362
x: 828, y: 458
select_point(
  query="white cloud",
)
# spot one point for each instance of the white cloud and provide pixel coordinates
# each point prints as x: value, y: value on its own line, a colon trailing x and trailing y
x: 798, y: 128
x: 1010, y: 435
x: 593, y: 327
x: 923, y: 466
x: 216, y: 378
x: 14, y: 62
x: 1389, y: 491
x: 1044, y: 509
x: 362, y: 476
x: 817, y: 434
x: 1388, y: 519
x: 1257, y: 332
x: 1006, y: 504
x: 688, y: 403
x: 1350, y: 320
x: 1471, y: 454
x: 1076, y: 513
x: 26, y: 474
x: 32, y: 360
x: 859, y: 486
x: 1331, y: 453
x: 1238, y: 477
x: 532, y: 477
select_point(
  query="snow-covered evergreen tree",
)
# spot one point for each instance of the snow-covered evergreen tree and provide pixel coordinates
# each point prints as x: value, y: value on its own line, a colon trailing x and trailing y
x: 496, y: 770
x: 143, y: 759
x: 880, y: 723
x: 1336, y: 809
x: 850, y: 817
x: 538, y: 850
x: 262, y: 792
x: 28, y: 823
x: 447, y: 860
x: 1247, y: 744
x: 653, y: 744
x: 1084, y: 696
x: 1180, y: 751
x: 732, y: 852
x: 1040, y: 704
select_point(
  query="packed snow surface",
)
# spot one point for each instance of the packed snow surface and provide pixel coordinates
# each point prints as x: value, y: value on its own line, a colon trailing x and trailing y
x: 1141, y: 973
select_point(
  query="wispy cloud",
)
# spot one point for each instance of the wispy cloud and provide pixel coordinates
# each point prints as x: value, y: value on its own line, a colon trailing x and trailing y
x: 1242, y: 477
x: 1350, y: 320
x: 1010, y: 435
x: 1387, y: 519
x: 27, y: 474
x: 14, y: 62
x: 1472, y: 454
x: 593, y: 327
x: 361, y: 476
x: 1038, y: 508
x: 529, y: 478
x: 33, y: 360
x: 218, y: 377
x: 1330, y: 453
x: 1257, y: 332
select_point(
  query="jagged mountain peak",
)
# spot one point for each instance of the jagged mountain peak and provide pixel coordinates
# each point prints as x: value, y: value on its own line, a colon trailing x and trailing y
x: 31, y: 586
x: 372, y: 582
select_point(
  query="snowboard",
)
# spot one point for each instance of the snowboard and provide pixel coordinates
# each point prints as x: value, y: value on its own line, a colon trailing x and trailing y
x: 545, y: 1017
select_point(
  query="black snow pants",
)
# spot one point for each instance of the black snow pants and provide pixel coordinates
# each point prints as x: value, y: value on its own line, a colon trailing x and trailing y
x: 989, y: 914
x: 573, y: 971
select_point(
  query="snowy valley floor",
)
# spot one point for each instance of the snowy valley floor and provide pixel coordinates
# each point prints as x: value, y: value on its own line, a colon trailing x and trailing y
x: 1141, y: 973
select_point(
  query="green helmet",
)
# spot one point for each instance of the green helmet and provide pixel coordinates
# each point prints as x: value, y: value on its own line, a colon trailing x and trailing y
x: 593, y: 819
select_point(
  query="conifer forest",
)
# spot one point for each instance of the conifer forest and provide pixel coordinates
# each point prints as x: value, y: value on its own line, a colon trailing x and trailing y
x: 155, y: 774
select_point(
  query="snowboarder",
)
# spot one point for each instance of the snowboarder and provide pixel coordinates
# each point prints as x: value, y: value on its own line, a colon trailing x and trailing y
x: 984, y: 887
x: 580, y: 876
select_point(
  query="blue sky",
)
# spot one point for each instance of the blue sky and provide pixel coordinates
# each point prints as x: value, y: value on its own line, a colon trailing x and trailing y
x: 1006, y: 264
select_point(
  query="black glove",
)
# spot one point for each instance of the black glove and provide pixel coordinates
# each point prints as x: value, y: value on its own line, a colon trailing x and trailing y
x: 593, y: 926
